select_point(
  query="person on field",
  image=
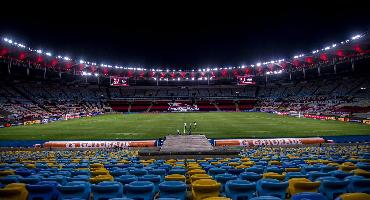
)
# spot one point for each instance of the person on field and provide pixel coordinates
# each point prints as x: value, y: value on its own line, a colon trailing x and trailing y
x: 185, y: 128
x: 195, y: 124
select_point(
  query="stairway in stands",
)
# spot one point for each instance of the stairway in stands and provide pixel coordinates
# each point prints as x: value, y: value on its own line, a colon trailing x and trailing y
x: 218, y: 109
x: 186, y: 143
x: 237, y: 107
x: 150, y: 107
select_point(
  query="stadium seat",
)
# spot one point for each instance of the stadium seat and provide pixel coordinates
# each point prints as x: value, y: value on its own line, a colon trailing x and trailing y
x: 265, y: 198
x: 250, y: 176
x: 40, y: 192
x: 204, y: 188
x: 75, y: 189
x: 140, y: 190
x: 175, y: 177
x: 331, y: 189
x: 107, y: 190
x: 359, y: 185
x: 299, y: 185
x: 354, y: 196
x: 196, y: 177
x: 14, y: 191
x: 156, y: 179
x: 177, y: 171
x: 240, y: 189
x: 272, y: 187
x: 223, y: 178
x: 214, y: 171
x: 173, y: 189
x: 308, y: 196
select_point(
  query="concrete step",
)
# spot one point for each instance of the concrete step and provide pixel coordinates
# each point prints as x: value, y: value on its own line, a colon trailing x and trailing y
x: 186, y: 143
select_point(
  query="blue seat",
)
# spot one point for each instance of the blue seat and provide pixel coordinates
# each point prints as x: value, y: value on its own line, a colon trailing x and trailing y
x: 138, y: 172
x: 272, y: 187
x: 24, y: 172
x: 326, y: 169
x: 274, y: 169
x: 258, y: 170
x: 32, y: 179
x: 290, y: 175
x: 156, y: 179
x: 265, y: 198
x: 107, y: 190
x: 215, y: 170
x: 9, y: 179
x: 308, y: 196
x: 235, y: 171
x: 54, y: 185
x: 223, y: 178
x: 340, y: 174
x: 126, y: 179
x: 332, y: 189
x: 118, y: 172
x: 140, y: 190
x: 79, y: 178
x: 240, y: 189
x: 75, y: 189
x: 160, y: 172
x: 40, y: 192
x: 359, y: 186
x: 58, y: 178
x: 181, y: 171
x: 313, y: 175
x: 364, y: 166
x: 81, y: 172
x: 173, y: 189
x: 250, y: 176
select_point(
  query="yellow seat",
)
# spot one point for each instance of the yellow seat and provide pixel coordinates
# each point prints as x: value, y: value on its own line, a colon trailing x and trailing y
x: 274, y: 162
x: 274, y: 175
x: 4, y: 173
x: 30, y: 166
x: 196, y: 177
x: 99, y: 172
x: 354, y: 196
x: 96, y: 165
x: 194, y: 167
x: 196, y: 171
x: 347, y: 167
x: 100, y: 178
x: 241, y: 167
x: 298, y: 185
x: 233, y: 164
x: 361, y: 172
x: 293, y: 169
x: 248, y: 163
x: 14, y: 191
x: 175, y: 177
x: 205, y: 188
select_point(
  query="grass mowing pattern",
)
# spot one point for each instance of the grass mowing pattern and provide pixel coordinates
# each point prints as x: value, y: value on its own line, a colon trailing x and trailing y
x: 153, y: 126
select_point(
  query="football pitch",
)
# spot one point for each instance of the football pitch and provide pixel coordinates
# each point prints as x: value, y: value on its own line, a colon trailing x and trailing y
x: 154, y: 126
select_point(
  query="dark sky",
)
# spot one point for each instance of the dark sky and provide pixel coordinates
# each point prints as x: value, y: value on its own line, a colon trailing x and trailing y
x: 186, y: 36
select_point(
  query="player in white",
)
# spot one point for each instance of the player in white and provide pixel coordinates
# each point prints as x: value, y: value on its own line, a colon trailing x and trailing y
x: 184, y: 128
x: 195, y: 125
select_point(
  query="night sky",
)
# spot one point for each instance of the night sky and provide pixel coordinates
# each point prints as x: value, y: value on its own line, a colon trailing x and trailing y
x: 186, y: 36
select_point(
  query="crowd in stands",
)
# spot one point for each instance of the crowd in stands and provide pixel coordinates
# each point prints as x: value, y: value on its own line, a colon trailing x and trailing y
x: 21, y: 101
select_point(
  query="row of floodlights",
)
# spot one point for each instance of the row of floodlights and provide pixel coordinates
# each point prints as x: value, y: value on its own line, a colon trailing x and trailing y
x: 66, y: 58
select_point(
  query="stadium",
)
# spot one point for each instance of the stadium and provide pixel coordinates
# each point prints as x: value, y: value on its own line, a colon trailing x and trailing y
x: 295, y: 127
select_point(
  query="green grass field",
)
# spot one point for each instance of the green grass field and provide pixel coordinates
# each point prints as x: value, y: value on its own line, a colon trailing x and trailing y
x: 214, y: 125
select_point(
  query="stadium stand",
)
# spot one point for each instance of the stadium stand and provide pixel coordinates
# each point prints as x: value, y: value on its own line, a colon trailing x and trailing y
x: 323, y: 172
